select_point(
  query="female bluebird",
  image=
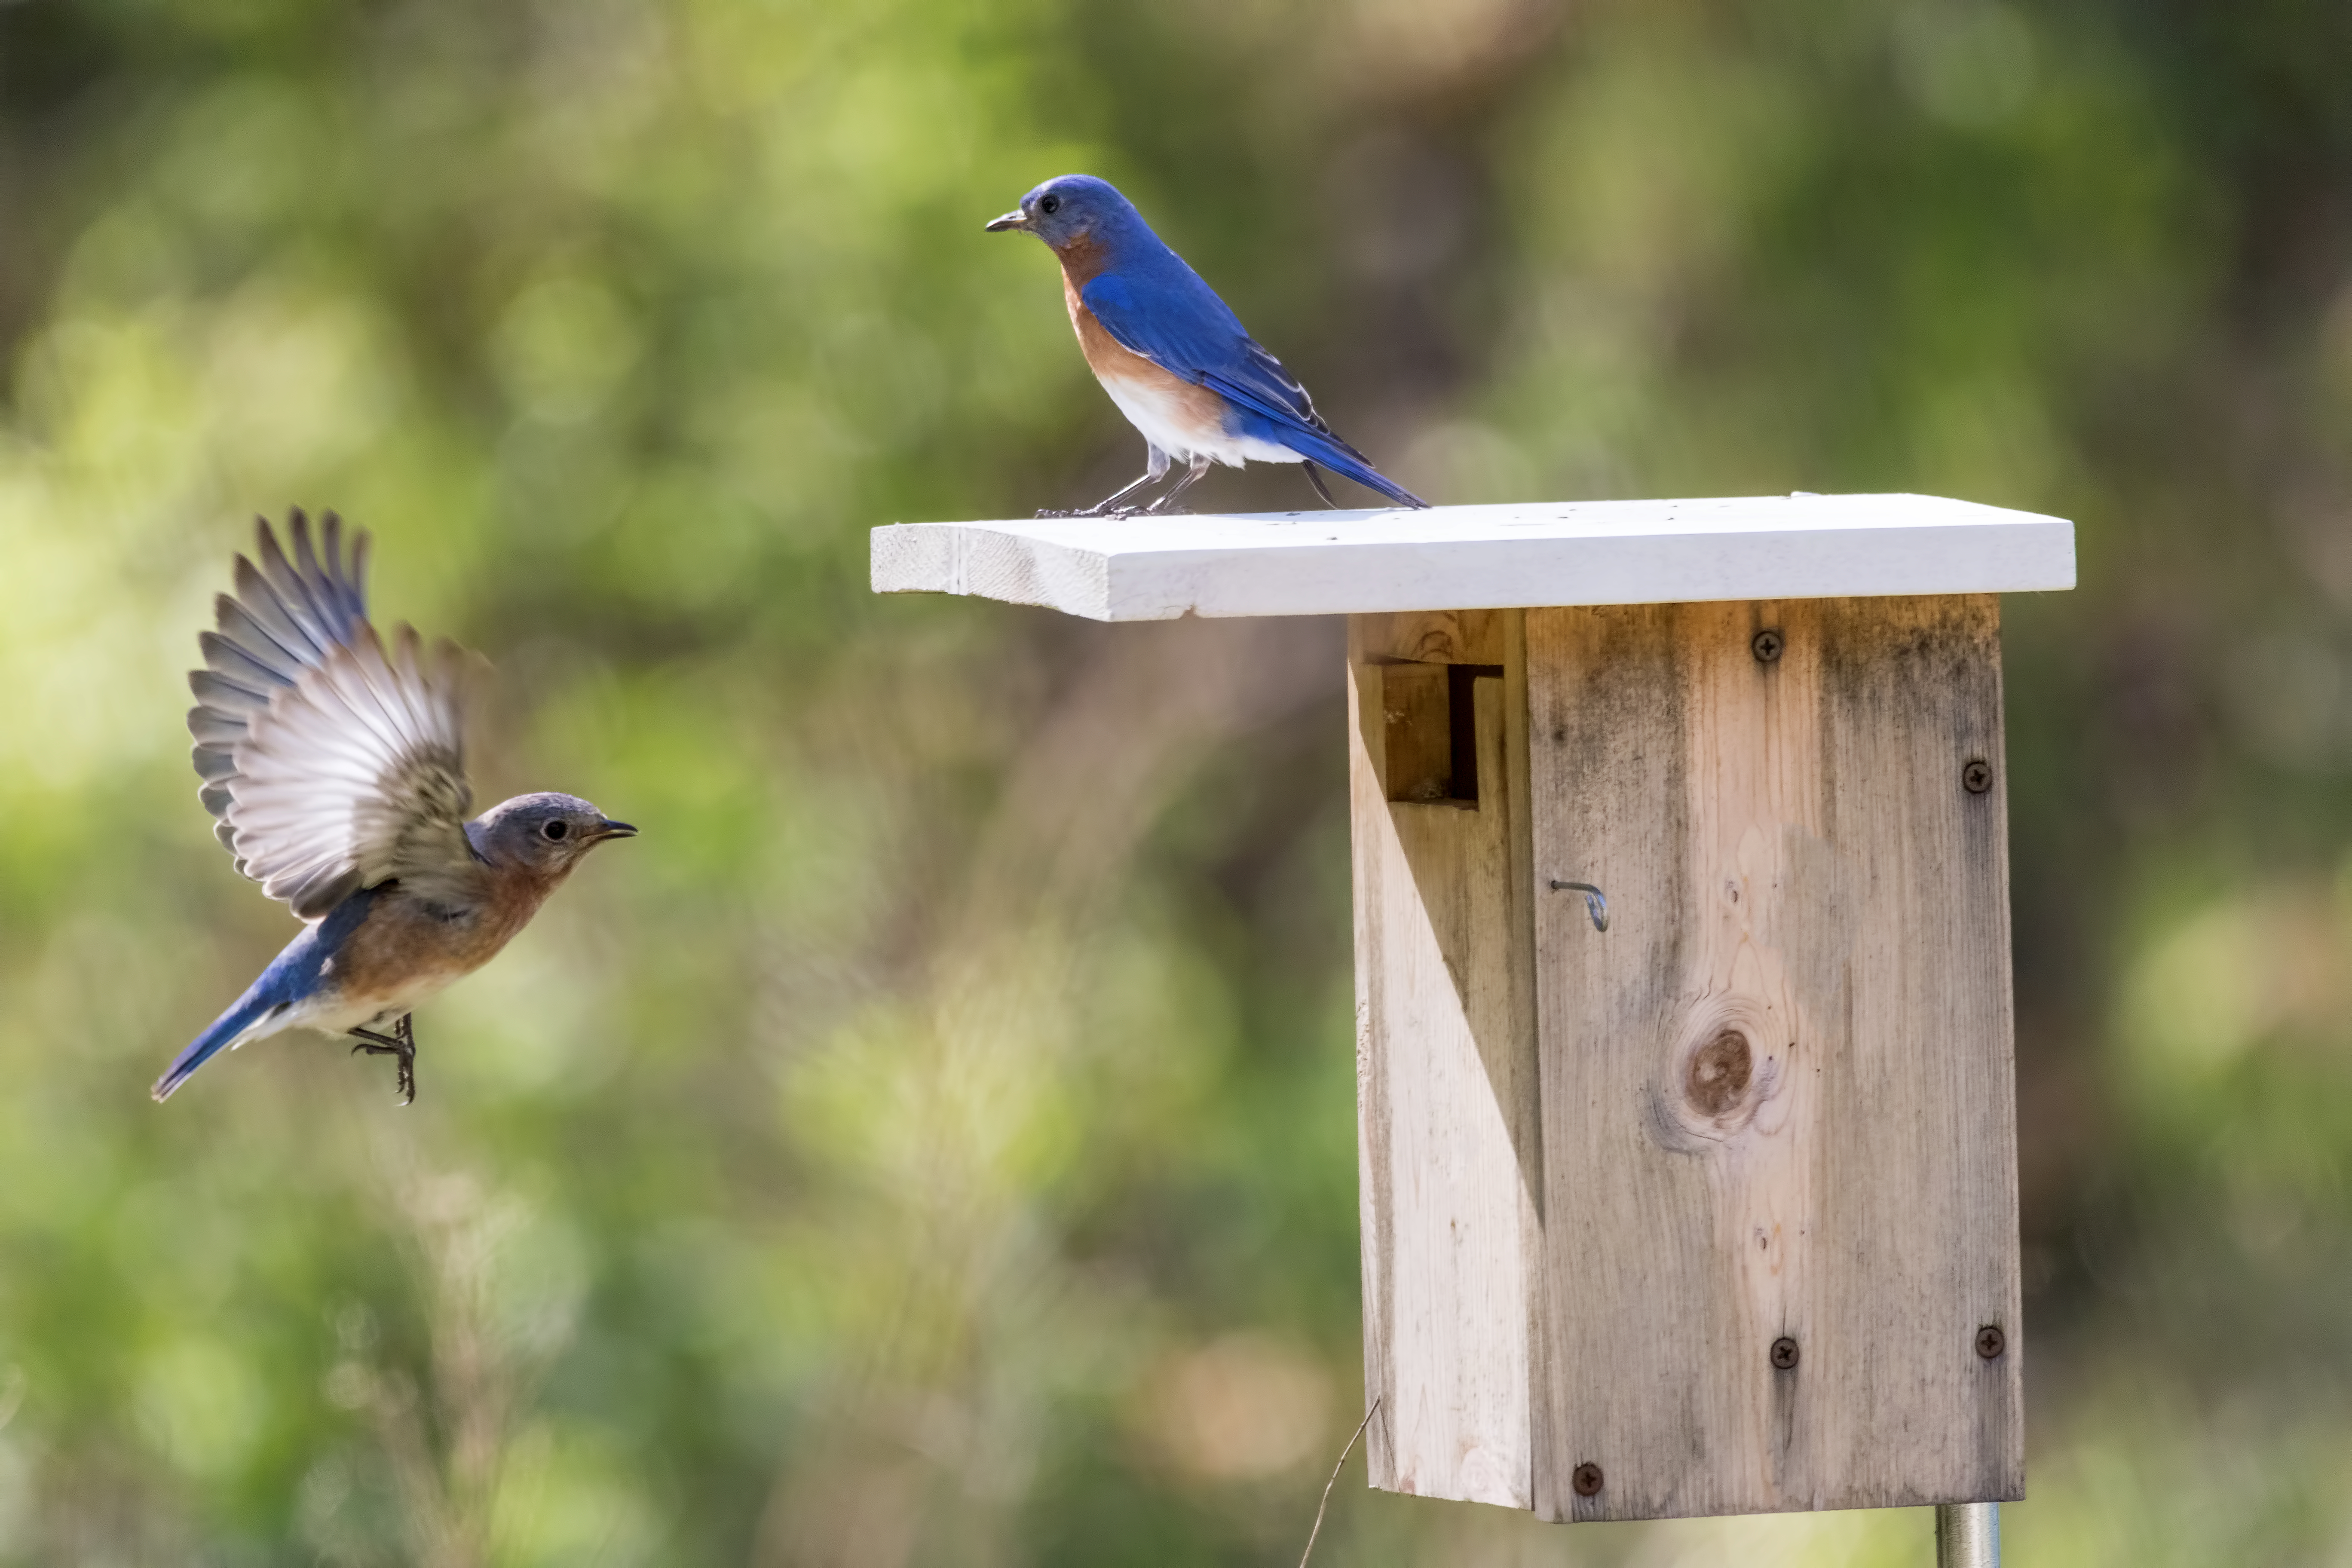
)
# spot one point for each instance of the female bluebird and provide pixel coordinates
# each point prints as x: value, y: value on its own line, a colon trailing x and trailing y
x: 336, y: 765
x: 1171, y: 354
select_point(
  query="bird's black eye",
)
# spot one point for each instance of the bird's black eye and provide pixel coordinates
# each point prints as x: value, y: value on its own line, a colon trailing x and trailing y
x: 1049, y: 205
x: 556, y: 829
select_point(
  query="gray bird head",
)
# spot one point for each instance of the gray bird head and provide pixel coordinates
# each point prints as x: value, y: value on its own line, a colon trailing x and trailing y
x: 1070, y: 208
x: 547, y: 833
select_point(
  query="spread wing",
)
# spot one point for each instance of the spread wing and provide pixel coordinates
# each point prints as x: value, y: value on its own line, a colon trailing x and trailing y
x: 334, y: 761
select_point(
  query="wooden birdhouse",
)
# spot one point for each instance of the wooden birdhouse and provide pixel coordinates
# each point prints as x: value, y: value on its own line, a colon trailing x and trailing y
x: 1713, y: 1210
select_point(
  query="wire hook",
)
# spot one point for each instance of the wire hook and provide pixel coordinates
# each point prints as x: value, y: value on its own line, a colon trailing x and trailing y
x: 1596, y: 902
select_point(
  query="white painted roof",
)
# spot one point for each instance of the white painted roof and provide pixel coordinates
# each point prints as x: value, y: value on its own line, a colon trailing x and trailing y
x: 1482, y: 557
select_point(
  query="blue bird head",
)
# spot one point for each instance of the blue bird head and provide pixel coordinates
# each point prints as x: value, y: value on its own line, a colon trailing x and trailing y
x: 1070, y: 208
x: 544, y: 833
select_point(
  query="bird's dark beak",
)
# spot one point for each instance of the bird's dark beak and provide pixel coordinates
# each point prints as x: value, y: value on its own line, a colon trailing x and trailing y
x: 608, y: 829
x: 1016, y: 218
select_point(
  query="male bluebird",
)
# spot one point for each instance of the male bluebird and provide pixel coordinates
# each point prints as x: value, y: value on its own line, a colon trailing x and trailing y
x: 1171, y: 354
x: 336, y: 765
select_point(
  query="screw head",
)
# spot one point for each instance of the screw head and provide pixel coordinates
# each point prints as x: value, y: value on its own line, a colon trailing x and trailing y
x: 1586, y: 1479
x: 1991, y: 1341
x: 1977, y: 776
x: 1767, y: 644
x: 1784, y: 1353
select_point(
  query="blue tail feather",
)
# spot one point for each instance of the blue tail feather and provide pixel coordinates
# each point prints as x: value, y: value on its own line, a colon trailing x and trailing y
x: 256, y: 1006
x: 1334, y: 453
x: 295, y: 975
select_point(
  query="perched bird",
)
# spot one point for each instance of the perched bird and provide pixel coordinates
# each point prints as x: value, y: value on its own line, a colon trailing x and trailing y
x: 1171, y: 354
x: 336, y: 765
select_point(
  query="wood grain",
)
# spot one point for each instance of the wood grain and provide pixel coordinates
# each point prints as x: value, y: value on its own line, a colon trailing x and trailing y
x: 1776, y: 1098
x: 1445, y: 1064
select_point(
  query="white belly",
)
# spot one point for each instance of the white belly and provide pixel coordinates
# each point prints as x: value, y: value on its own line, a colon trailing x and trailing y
x: 341, y: 1016
x: 1161, y: 413
x: 346, y: 1013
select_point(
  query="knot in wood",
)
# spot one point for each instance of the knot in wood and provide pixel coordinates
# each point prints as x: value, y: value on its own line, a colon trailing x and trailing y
x: 1719, y: 1073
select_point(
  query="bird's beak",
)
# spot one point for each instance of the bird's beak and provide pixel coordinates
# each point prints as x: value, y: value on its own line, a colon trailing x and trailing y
x: 1016, y: 218
x: 608, y: 829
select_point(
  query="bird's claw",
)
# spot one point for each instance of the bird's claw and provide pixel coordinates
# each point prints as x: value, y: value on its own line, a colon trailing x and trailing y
x: 400, y: 1043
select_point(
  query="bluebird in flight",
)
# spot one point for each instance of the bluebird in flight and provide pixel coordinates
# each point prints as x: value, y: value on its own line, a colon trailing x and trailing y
x: 1173, y: 355
x: 336, y: 765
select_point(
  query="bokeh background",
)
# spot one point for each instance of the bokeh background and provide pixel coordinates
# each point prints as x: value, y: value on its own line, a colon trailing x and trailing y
x: 932, y: 1142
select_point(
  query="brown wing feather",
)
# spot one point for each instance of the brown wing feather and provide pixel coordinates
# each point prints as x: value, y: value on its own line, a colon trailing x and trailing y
x: 333, y: 763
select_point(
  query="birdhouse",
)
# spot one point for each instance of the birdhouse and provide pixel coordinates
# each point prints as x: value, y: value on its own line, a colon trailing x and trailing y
x: 1685, y: 1089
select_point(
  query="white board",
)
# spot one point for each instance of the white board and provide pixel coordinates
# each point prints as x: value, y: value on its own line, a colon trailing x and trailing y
x: 1482, y: 557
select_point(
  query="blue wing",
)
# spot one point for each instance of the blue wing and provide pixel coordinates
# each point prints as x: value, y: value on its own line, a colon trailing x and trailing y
x: 1172, y: 318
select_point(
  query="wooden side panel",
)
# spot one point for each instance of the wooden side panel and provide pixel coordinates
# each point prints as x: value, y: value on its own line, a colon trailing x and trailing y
x: 1777, y: 1096
x: 1446, y: 1094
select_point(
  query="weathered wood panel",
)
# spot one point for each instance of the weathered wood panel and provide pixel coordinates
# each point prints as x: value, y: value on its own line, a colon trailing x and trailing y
x: 1446, y: 1066
x: 1777, y: 1096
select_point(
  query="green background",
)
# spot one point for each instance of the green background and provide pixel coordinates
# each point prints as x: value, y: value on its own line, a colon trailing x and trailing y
x: 932, y: 1142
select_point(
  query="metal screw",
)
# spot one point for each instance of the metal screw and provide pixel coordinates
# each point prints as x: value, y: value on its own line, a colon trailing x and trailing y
x: 1766, y: 645
x: 1596, y: 902
x: 1990, y: 1341
x: 1784, y: 1353
x: 1977, y: 777
x: 1586, y: 1479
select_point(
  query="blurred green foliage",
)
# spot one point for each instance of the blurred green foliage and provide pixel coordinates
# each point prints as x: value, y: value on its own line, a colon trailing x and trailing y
x: 932, y: 1142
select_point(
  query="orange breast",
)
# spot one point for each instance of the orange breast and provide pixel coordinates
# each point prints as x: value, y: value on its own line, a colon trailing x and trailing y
x: 401, y: 942
x: 1102, y: 351
x: 1189, y: 403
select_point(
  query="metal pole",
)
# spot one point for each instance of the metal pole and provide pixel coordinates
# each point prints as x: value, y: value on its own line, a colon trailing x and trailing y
x: 1967, y: 1535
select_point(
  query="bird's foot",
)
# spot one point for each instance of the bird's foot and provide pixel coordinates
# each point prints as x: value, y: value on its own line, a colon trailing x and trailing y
x: 1113, y: 511
x: 1163, y: 512
x: 400, y: 1043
